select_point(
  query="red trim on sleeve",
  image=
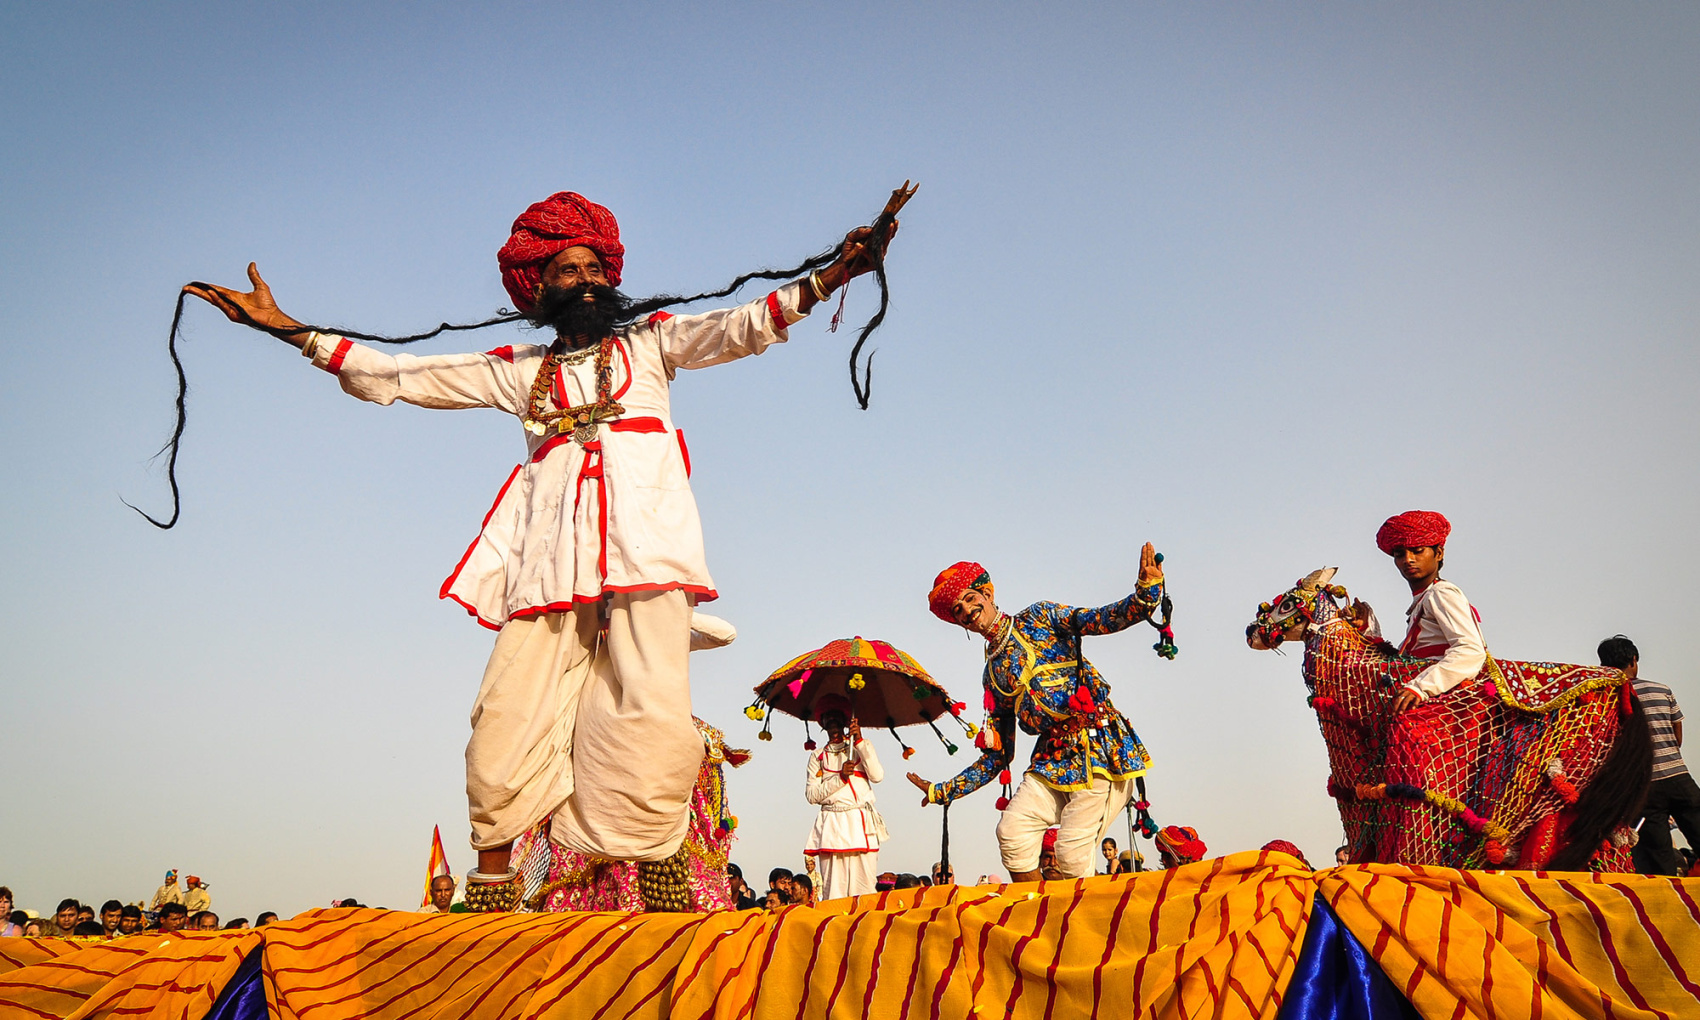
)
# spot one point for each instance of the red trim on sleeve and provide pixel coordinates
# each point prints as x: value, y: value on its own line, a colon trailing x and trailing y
x: 776, y: 312
x: 505, y: 353
x: 334, y: 365
x: 684, y: 451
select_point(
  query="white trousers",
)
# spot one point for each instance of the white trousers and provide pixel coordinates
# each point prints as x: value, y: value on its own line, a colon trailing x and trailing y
x: 846, y: 874
x: 1081, y: 816
x: 589, y: 728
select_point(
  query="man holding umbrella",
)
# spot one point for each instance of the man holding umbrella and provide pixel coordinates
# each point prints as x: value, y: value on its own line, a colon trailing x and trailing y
x: 847, y: 835
x: 1087, y: 755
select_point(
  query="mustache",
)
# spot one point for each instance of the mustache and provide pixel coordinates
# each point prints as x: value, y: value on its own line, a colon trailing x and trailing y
x: 565, y: 310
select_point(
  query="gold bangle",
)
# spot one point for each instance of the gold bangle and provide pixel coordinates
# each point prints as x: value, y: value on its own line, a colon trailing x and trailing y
x: 310, y: 346
x: 815, y: 284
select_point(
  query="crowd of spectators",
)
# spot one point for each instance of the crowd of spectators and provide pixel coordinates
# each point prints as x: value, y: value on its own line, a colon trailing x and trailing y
x: 113, y: 919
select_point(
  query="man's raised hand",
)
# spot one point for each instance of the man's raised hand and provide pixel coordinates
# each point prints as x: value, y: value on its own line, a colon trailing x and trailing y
x: 1149, y: 570
x: 254, y: 308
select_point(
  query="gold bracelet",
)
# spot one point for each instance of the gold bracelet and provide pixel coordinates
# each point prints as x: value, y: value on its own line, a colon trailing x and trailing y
x: 310, y: 346
x: 815, y: 284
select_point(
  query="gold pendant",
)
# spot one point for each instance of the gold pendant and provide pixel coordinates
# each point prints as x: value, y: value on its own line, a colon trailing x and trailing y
x: 584, y: 433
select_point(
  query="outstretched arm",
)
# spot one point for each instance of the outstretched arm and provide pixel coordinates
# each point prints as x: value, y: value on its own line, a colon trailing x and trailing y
x: 1146, y: 597
x: 714, y: 338
x: 254, y: 308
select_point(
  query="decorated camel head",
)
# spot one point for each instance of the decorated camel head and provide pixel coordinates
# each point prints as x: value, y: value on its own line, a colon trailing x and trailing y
x: 1531, y: 764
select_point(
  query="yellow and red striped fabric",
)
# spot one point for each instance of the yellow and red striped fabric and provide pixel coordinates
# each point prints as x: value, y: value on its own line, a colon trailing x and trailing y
x: 1527, y: 944
x: 1215, y: 939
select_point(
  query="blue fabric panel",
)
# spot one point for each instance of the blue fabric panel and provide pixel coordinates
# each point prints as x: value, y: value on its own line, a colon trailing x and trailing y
x: 1336, y: 978
x: 244, y: 998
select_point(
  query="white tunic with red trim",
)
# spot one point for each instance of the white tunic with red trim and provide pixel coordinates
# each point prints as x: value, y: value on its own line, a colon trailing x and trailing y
x: 1442, y: 625
x: 574, y: 522
x: 848, y: 823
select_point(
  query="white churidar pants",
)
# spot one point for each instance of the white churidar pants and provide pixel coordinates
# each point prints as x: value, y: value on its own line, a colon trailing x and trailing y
x: 590, y: 729
x: 1082, y: 817
x: 846, y: 874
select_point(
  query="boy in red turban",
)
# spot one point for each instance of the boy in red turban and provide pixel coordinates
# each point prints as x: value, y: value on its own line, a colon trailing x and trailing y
x: 1441, y: 623
x: 591, y: 559
x: 1178, y: 845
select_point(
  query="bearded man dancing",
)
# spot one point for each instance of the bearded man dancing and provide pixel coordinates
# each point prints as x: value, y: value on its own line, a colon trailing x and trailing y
x: 1088, y: 753
x: 591, y: 558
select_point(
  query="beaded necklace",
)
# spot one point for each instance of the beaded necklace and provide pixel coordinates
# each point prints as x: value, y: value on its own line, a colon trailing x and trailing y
x: 582, y: 420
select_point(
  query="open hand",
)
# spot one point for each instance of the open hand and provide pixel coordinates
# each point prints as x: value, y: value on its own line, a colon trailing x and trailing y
x: 1149, y: 570
x: 254, y: 308
x: 925, y: 787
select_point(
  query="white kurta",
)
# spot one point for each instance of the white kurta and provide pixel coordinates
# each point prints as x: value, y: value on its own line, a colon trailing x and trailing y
x: 574, y: 522
x: 1441, y: 624
x: 848, y: 821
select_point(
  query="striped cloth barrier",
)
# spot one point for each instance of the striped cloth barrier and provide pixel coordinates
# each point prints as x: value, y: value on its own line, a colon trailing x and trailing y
x: 1248, y: 935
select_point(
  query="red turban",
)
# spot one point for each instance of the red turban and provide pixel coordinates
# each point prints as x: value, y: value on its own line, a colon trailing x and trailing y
x: 1282, y: 846
x: 952, y: 582
x: 1051, y: 838
x: 1184, y: 841
x: 564, y: 220
x: 1413, y: 529
x: 832, y: 703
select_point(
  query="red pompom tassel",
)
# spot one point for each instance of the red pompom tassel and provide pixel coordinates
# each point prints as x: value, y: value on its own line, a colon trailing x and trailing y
x: 1003, y: 777
x: 1003, y: 804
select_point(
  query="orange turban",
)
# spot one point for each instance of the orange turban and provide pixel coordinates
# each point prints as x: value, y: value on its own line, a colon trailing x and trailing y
x: 1413, y: 529
x: 1184, y: 841
x: 564, y: 220
x: 952, y: 582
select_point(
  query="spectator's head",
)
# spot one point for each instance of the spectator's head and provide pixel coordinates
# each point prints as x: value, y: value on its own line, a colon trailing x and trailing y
x: 173, y: 916
x: 1048, y: 852
x: 886, y: 882
x: 805, y: 888
x: 109, y: 912
x: 1343, y: 854
x: 1178, y: 845
x: 88, y: 930
x: 194, y: 883
x: 779, y: 878
x: 66, y: 916
x: 906, y: 881
x: 735, y: 879
x: 208, y: 921
x: 5, y: 901
x: 1108, y: 846
x: 776, y: 898
x: 442, y: 891
x: 1619, y: 652
x: 350, y: 902
x: 130, y: 920
x: 171, y: 877
x: 84, y: 913
x: 236, y: 925
x: 35, y: 927
x: 18, y: 918
x: 265, y: 918
x: 943, y: 875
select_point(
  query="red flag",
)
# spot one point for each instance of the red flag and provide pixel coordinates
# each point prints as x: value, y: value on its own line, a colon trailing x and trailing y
x: 439, y: 864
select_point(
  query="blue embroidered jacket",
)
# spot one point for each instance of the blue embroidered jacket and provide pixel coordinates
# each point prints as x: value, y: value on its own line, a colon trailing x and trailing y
x: 1033, y: 679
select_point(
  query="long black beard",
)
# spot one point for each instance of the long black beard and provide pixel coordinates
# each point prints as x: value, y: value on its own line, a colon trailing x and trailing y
x: 577, y: 322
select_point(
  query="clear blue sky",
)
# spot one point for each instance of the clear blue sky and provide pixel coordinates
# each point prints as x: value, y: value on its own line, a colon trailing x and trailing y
x: 1240, y: 281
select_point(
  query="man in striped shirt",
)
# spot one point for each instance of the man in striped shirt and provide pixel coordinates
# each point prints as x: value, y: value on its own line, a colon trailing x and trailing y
x: 1674, y: 795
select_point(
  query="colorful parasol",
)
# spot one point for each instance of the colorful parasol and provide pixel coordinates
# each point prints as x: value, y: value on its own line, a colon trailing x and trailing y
x: 884, y: 686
